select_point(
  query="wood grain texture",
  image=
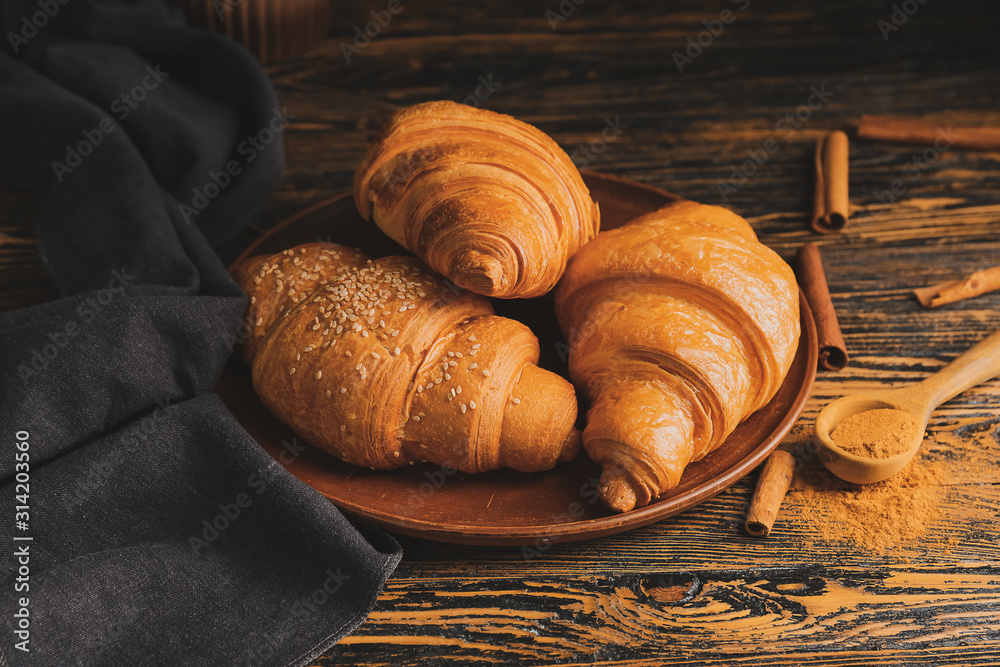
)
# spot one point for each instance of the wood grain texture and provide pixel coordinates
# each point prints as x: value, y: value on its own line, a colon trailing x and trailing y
x: 695, y: 589
x: 770, y: 616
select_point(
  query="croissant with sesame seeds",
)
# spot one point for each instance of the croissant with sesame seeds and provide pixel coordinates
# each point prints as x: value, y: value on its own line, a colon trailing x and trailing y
x: 488, y: 201
x: 680, y: 325
x: 384, y: 364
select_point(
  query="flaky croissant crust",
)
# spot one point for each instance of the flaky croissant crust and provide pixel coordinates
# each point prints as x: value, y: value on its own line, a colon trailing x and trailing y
x: 383, y: 364
x: 681, y: 324
x: 488, y: 201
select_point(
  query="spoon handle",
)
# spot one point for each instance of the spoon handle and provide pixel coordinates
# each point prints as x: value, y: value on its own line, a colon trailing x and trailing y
x: 977, y: 364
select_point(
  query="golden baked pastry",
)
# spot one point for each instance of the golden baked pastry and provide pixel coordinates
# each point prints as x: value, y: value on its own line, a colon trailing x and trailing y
x: 488, y: 201
x: 680, y: 325
x: 383, y: 364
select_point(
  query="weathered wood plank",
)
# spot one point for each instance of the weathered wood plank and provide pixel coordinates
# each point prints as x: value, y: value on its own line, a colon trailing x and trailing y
x: 780, y: 615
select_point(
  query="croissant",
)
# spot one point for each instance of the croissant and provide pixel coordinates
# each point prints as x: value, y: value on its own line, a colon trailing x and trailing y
x: 488, y: 201
x: 680, y: 325
x: 383, y: 364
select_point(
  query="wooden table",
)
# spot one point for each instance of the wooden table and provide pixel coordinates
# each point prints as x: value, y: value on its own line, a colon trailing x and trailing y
x: 695, y: 589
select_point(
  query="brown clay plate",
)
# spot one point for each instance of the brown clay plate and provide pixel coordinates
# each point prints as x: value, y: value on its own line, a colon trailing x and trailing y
x: 505, y: 507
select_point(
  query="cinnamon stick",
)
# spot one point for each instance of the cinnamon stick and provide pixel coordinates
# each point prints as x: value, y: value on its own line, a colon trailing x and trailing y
x: 916, y: 131
x: 831, y: 207
x: 772, y: 485
x: 974, y: 285
x: 812, y: 278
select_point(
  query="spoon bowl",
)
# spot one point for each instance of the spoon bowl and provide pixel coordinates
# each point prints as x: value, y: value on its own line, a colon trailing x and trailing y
x: 865, y: 469
x: 979, y: 363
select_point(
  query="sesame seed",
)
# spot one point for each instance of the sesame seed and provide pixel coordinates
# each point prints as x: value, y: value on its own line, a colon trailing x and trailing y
x: 416, y: 418
x: 517, y: 401
x: 462, y: 408
x: 451, y: 354
x: 474, y: 366
x: 364, y: 334
x: 396, y: 454
x: 343, y: 390
x: 298, y: 357
x: 260, y: 321
x: 453, y: 363
x: 437, y: 380
x: 458, y: 389
x: 375, y: 355
x: 395, y: 332
x: 397, y: 350
x: 319, y: 374
x: 476, y: 346
x: 343, y: 427
x: 348, y: 353
x: 329, y: 393
x: 291, y: 371
x: 402, y: 309
x: 486, y: 372
x: 422, y: 446
x: 472, y: 404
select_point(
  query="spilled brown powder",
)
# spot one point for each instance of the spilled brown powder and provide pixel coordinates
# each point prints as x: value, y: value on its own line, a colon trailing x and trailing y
x: 876, y: 434
x: 876, y: 517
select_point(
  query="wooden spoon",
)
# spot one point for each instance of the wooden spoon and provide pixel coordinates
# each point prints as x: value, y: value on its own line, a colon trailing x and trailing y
x: 979, y: 363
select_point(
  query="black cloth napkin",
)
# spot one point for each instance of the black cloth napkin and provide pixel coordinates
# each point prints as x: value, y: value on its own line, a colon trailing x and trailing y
x: 160, y: 533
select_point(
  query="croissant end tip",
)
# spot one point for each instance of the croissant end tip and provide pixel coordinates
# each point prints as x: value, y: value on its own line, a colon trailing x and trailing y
x: 476, y: 272
x: 617, y: 492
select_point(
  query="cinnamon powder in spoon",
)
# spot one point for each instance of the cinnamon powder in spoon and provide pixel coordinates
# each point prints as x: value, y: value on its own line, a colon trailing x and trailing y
x: 876, y: 434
